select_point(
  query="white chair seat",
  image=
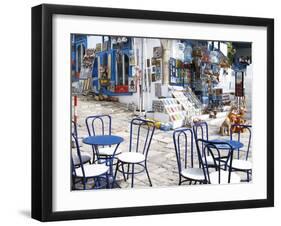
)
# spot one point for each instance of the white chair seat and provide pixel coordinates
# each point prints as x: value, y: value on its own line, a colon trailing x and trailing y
x: 85, y: 157
x: 92, y: 170
x: 193, y: 173
x: 108, y: 151
x: 241, y: 164
x: 131, y: 157
x: 214, y: 177
x: 210, y: 160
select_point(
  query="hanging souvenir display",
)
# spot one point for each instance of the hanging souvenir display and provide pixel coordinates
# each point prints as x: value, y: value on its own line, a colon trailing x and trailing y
x: 104, y: 80
x: 224, y: 63
x: 98, y: 47
x: 156, y: 69
x: 179, y: 51
x: 197, y: 52
x: 87, y: 64
x: 105, y: 46
x: 188, y: 54
x: 134, y: 72
x: 172, y: 70
x: 132, y: 84
x: 111, y: 86
x: 205, y: 55
x: 157, y: 52
x: 132, y: 58
x: 214, y: 57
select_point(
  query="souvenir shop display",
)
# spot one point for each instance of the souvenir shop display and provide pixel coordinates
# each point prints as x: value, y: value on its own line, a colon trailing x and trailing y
x: 169, y: 110
x: 98, y: 47
x: 132, y: 85
x: 179, y: 51
x: 188, y: 54
x: 188, y: 105
x: 180, y: 72
x: 172, y: 70
x: 156, y: 69
x: 111, y: 86
x: 157, y: 52
x: 104, y: 80
x: 158, y: 106
x: 132, y: 59
x: 87, y: 64
x: 214, y: 57
x: 175, y: 112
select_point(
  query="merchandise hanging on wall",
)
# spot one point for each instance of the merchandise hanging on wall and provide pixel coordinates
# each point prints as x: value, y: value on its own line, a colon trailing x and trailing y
x: 132, y: 85
x: 52, y: 28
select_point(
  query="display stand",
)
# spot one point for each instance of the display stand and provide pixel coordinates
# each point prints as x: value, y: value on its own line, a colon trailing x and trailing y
x: 186, y: 100
x: 169, y: 110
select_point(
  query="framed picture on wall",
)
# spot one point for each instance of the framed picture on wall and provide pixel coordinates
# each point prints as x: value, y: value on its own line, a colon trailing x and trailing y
x: 93, y: 157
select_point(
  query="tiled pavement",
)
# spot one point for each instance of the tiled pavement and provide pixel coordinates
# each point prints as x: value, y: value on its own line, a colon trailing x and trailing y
x: 162, y: 164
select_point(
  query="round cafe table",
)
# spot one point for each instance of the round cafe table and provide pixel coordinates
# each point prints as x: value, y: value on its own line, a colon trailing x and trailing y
x: 104, y: 140
x: 233, y: 143
x: 222, y: 144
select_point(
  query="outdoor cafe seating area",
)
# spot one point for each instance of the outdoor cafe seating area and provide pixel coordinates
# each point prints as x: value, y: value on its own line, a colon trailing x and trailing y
x: 200, y: 160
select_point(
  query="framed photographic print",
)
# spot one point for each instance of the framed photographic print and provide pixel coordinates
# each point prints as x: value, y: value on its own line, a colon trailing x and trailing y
x: 105, y: 145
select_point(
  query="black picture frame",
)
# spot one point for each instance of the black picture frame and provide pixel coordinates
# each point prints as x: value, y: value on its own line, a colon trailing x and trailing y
x: 42, y: 111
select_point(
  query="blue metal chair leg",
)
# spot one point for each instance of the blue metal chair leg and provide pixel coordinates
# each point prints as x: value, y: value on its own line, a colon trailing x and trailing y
x: 132, y: 184
x: 117, y: 166
x: 128, y: 170
x: 148, y: 175
x: 98, y: 182
x: 84, y: 183
x: 108, y: 185
x: 123, y: 172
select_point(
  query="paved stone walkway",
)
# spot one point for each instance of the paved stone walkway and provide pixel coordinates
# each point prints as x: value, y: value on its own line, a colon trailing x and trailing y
x: 162, y: 163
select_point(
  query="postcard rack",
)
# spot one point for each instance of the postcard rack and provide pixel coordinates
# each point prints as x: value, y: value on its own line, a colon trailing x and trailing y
x: 190, y: 106
x: 169, y: 110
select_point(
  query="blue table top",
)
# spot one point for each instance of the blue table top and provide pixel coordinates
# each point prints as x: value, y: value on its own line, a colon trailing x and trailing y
x: 103, y: 140
x: 233, y: 143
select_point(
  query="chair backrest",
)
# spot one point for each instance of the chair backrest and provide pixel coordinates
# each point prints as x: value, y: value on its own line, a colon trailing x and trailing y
x: 200, y: 130
x: 98, y: 125
x: 242, y: 134
x: 211, y: 148
x: 183, y: 142
x: 75, y: 139
x: 141, y: 133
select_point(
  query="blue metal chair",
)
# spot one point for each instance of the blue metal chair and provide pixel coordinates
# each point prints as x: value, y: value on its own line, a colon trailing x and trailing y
x: 184, y: 149
x: 218, y: 171
x: 101, y: 125
x: 138, y: 152
x: 242, y: 163
x: 201, y: 131
x: 98, y: 172
x: 202, y: 127
x: 85, y: 157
